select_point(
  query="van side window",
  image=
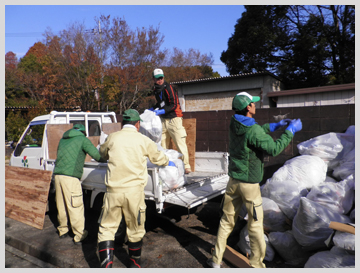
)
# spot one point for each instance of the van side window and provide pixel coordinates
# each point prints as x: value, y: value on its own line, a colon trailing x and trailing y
x: 32, y: 138
x: 94, y: 128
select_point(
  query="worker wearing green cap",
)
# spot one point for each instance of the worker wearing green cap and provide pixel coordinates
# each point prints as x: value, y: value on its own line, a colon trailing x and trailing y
x: 248, y: 144
x: 68, y: 170
x: 126, y: 178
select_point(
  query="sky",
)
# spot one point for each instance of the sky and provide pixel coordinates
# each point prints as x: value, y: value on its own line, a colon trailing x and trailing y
x: 206, y: 28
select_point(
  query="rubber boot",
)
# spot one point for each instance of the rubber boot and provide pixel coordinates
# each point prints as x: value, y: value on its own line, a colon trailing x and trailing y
x: 106, y: 254
x: 135, y: 254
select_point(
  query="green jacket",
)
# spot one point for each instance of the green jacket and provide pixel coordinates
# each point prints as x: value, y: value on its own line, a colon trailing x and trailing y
x: 71, y: 153
x: 249, y: 143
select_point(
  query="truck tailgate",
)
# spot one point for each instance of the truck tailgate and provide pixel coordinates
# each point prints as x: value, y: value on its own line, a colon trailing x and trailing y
x: 200, y: 187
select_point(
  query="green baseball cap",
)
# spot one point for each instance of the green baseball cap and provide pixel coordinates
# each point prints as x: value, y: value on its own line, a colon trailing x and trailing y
x: 79, y: 127
x: 242, y: 100
x: 131, y: 115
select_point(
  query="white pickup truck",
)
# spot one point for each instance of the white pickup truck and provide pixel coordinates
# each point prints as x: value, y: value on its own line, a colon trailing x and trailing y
x: 38, y: 143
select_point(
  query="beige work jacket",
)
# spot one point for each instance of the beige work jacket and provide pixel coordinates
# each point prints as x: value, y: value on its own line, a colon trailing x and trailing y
x: 127, y: 151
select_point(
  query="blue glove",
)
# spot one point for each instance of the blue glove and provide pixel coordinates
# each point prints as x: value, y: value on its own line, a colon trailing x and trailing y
x: 159, y: 112
x: 275, y: 126
x: 295, y: 126
x: 151, y: 109
x: 284, y: 122
x: 172, y: 164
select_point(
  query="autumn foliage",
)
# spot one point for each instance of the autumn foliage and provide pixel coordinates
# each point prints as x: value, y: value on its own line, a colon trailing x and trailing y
x: 107, y: 68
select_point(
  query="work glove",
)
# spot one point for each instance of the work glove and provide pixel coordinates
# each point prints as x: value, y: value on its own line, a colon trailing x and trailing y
x: 172, y: 164
x: 295, y: 126
x: 159, y: 112
x: 275, y: 126
x: 151, y: 109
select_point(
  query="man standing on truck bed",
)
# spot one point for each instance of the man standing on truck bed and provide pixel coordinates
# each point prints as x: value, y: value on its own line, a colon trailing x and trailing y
x: 126, y: 178
x: 248, y: 144
x: 168, y: 108
x: 68, y: 170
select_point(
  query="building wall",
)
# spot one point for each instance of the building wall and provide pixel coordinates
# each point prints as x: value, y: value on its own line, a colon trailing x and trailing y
x: 318, y: 99
x: 212, y: 128
x: 217, y: 94
x: 214, y: 101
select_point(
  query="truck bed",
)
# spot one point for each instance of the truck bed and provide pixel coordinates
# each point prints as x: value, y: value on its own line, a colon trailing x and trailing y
x: 199, y: 188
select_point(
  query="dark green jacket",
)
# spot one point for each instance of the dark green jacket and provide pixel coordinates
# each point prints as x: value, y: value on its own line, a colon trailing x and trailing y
x: 249, y: 143
x: 71, y: 153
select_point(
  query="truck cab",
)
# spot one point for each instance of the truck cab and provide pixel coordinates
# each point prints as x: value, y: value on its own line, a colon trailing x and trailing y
x: 32, y: 150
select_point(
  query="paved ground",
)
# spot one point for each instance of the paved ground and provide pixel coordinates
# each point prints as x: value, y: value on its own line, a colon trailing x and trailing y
x: 15, y: 258
x: 175, y: 239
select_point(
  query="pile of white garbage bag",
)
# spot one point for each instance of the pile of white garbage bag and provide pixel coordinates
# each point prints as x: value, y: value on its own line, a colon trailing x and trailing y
x: 306, y: 194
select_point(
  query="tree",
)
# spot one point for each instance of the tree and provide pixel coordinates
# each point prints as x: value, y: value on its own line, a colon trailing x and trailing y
x: 303, y: 45
x: 13, y: 88
x: 254, y: 44
x: 102, y: 67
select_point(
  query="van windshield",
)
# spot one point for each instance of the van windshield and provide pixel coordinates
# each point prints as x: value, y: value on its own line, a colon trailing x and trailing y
x: 32, y: 138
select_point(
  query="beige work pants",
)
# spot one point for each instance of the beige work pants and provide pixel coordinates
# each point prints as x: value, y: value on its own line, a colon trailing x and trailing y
x: 173, y: 129
x: 236, y: 194
x: 69, y: 203
x: 130, y: 203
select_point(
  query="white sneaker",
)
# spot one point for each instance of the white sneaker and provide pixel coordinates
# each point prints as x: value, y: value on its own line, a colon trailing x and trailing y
x: 212, y: 264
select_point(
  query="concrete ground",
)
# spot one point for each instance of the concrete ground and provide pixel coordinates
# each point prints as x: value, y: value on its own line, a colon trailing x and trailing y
x: 174, y: 239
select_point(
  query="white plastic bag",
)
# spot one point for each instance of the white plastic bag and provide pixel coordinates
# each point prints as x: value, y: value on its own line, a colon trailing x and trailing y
x: 325, y: 146
x: 286, y: 194
x: 335, y: 258
x: 345, y: 241
x: 288, y: 248
x: 305, y: 170
x: 151, y: 126
x: 171, y: 177
x: 274, y: 218
x: 244, y: 244
x: 346, y: 165
x: 311, y: 224
x: 337, y: 196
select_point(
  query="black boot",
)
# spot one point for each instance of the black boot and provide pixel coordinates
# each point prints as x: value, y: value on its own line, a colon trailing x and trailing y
x: 135, y: 254
x: 106, y: 254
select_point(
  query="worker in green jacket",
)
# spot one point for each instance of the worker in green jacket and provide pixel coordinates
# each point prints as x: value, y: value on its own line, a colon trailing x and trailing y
x: 249, y: 142
x: 68, y: 170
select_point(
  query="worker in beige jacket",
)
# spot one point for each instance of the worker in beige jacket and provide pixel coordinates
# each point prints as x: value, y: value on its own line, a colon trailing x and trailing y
x: 127, y: 151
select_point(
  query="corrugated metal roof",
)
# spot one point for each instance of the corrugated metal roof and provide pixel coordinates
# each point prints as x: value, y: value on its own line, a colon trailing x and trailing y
x: 36, y: 107
x: 319, y: 89
x: 244, y: 75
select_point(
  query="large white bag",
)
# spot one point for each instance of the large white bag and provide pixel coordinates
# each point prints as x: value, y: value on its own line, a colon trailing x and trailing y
x: 286, y: 194
x: 288, y: 248
x: 311, y: 224
x: 170, y: 177
x: 335, y: 258
x: 305, y: 170
x: 327, y: 146
x: 151, y: 125
x: 274, y: 218
x: 337, y: 196
x: 244, y: 244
